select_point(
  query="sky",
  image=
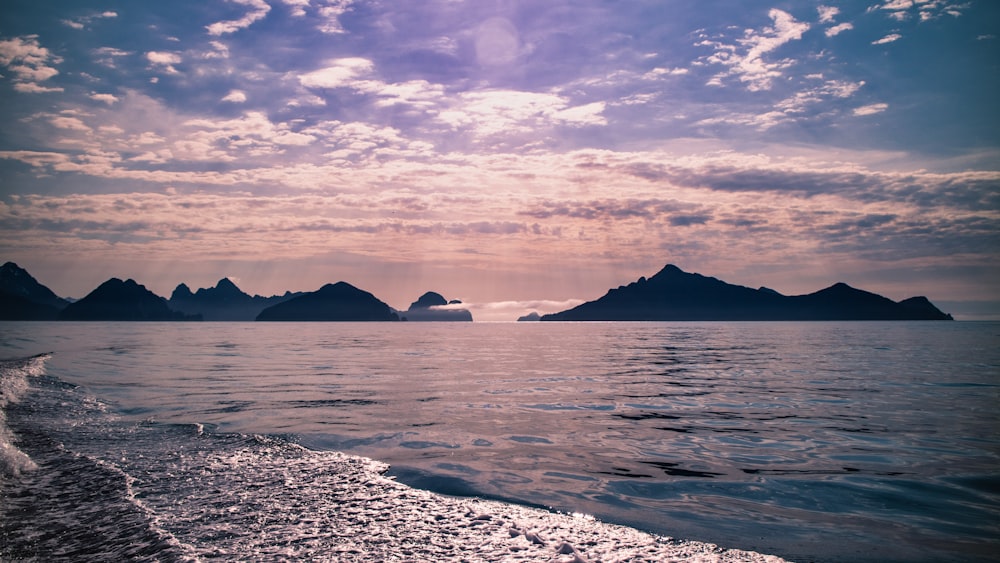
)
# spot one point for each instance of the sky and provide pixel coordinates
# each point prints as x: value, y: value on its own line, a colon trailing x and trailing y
x: 517, y: 155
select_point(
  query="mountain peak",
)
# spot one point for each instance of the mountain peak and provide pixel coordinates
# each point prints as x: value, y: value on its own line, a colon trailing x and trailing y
x: 428, y: 300
x: 669, y: 270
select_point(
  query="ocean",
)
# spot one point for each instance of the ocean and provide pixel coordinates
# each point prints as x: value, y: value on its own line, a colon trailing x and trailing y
x: 714, y: 441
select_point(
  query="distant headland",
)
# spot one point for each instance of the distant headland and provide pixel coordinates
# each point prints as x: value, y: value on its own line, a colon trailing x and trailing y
x: 669, y: 295
x: 675, y: 295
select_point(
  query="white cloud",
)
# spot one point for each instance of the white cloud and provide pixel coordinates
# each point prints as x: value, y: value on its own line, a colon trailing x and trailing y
x: 235, y: 96
x: 252, y: 130
x: 660, y: 72
x: 838, y: 29
x: 108, y: 56
x: 306, y: 100
x: 164, y: 60
x: 106, y: 98
x: 510, y: 310
x: 827, y: 13
x: 71, y: 123
x: 587, y: 114
x: 330, y: 15
x: 492, y: 112
x: 870, y: 109
x: 258, y: 11
x: 30, y: 64
x: 927, y: 9
x: 32, y: 88
x: 81, y: 22
x: 298, y: 7
x: 747, y: 58
x: 219, y: 51
x: 338, y: 73
x: 888, y: 39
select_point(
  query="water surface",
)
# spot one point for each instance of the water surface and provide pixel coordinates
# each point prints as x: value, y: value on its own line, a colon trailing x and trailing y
x: 812, y: 441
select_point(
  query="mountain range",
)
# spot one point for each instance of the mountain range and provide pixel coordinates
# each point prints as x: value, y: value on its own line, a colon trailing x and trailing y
x: 670, y: 295
x: 675, y: 295
x: 224, y: 302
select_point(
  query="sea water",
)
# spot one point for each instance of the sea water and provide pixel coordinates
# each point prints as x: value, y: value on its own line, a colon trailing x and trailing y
x: 815, y: 441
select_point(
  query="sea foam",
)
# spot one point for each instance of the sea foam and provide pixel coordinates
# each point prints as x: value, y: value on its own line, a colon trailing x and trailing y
x: 13, y: 383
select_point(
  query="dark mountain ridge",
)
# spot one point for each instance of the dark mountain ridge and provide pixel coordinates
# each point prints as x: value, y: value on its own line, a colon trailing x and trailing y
x: 224, y: 302
x: 340, y: 301
x: 22, y: 298
x: 117, y: 300
x: 675, y: 295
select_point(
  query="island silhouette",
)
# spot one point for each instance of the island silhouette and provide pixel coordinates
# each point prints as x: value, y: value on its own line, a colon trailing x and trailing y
x: 675, y: 295
x: 670, y: 295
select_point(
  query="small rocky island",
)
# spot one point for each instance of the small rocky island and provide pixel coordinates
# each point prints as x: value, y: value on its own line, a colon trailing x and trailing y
x: 430, y: 307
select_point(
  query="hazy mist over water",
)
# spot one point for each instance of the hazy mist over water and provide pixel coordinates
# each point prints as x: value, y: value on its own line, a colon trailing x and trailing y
x: 813, y: 441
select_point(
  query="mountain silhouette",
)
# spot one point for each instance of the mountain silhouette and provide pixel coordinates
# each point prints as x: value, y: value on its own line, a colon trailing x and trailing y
x: 224, y: 302
x: 423, y: 309
x: 22, y: 298
x: 332, y: 302
x: 675, y: 295
x: 117, y: 300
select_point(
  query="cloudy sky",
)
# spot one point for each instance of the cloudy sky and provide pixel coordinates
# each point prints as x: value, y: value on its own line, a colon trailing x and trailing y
x: 515, y: 154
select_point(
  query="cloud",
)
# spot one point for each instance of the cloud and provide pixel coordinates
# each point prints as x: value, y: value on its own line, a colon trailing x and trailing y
x: 106, y: 98
x: 870, y: 109
x: 32, y: 88
x: 511, y: 310
x: 108, y: 56
x: 164, y: 60
x: 747, y: 59
x: 487, y: 113
x: 82, y: 22
x: 330, y: 15
x: 258, y: 11
x: 808, y: 103
x: 926, y: 9
x: 235, y: 96
x: 827, y: 13
x: 298, y: 7
x: 338, y: 73
x: 838, y: 29
x: 887, y: 39
x: 30, y: 64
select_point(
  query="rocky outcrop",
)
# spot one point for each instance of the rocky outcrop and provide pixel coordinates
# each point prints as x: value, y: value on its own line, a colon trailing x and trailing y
x: 431, y: 306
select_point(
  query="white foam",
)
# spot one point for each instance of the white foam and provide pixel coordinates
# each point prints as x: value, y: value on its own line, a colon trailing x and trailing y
x: 13, y: 384
x: 267, y: 499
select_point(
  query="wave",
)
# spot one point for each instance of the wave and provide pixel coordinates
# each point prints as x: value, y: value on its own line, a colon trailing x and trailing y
x: 96, y: 486
x: 14, y: 376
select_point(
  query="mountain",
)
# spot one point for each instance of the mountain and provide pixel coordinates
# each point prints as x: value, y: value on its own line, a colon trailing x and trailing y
x: 22, y: 298
x: 675, y: 295
x: 117, y: 300
x: 332, y: 302
x: 224, y: 302
x: 423, y: 309
x: 530, y: 317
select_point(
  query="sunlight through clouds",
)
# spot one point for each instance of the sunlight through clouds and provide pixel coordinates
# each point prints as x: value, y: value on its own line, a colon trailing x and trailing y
x: 488, y: 148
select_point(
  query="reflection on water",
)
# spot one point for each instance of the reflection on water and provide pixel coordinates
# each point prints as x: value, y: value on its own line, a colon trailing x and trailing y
x: 836, y: 441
